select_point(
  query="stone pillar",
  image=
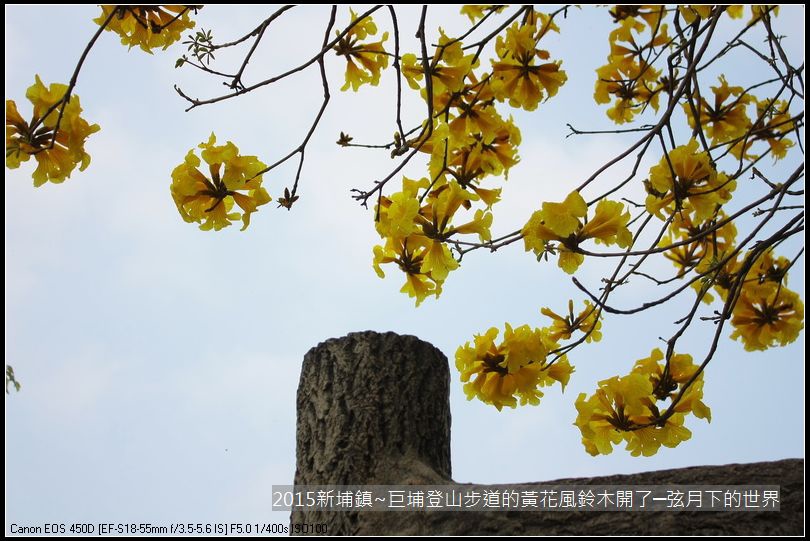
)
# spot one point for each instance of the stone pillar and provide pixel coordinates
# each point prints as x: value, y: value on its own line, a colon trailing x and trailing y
x: 373, y: 408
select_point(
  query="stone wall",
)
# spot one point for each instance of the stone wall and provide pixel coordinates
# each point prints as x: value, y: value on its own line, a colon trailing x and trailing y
x: 373, y: 409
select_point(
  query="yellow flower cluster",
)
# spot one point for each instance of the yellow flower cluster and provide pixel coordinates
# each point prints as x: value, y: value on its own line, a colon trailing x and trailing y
x: 686, y: 180
x: 646, y: 408
x: 767, y: 314
x: 522, y: 74
x: 724, y: 118
x: 701, y: 12
x: 628, y: 80
x: 234, y: 179
x: 631, y: 84
x: 704, y: 245
x: 449, y: 68
x: 649, y: 13
x: 515, y: 369
x: 566, y: 224
x: 364, y: 61
x: 773, y: 123
x: 416, y: 234
x: 475, y: 12
x: 57, y: 159
x: 148, y: 27
x: 707, y: 242
x: 468, y: 140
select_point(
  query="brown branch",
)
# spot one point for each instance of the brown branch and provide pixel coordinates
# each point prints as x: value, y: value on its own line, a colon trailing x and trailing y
x: 301, y: 149
x: 259, y: 32
x: 73, y: 80
x: 199, y: 102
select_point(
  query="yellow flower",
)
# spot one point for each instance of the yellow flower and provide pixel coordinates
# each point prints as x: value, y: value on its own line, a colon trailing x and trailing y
x: 412, y: 70
x: 435, y: 143
x: 569, y: 261
x: 438, y: 261
x: 566, y: 224
x: 474, y: 113
x: 233, y: 179
x: 608, y: 226
x: 408, y: 254
x: 625, y: 51
x: 691, y: 13
x: 364, y: 61
x: 762, y: 10
x: 443, y: 203
x: 766, y: 315
x: 612, y: 412
x: 488, y: 196
x: 773, y: 123
x: 560, y: 371
x: 479, y: 225
x: 466, y: 161
x: 625, y: 408
x: 709, y: 245
x: 397, y: 216
x: 565, y: 218
x: 416, y: 238
x: 521, y: 74
x: 448, y: 69
x: 627, y: 76
x: 437, y: 216
x: 646, y: 441
x: 769, y: 268
x: 25, y: 139
x: 722, y: 120
x: 651, y: 14
x: 588, y: 322
x: 634, y: 86
x: 148, y: 27
x: 722, y: 278
x: 598, y: 434
x: 695, y: 180
x: 668, y: 379
x: 492, y: 154
x: 475, y: 12
x: 501, y: 374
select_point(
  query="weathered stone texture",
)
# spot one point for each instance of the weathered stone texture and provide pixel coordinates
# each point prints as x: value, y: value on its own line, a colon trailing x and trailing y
x: 372, y: 409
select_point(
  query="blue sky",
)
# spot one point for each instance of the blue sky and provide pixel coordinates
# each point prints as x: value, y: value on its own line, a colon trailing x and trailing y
x: 159, y: 363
